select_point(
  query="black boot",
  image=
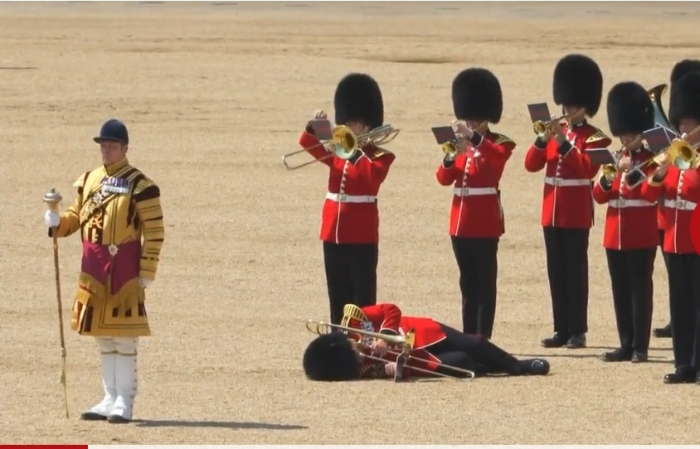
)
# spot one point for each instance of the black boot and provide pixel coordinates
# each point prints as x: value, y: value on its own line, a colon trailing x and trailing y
x: 682, y: 375
x: 639, y: 357
x: 663, y: 332
x: 576, y: 341
x: 556, y: 341
x: 618, y: 355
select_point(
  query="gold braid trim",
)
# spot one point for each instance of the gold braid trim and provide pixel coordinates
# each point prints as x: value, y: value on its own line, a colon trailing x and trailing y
x: 148, y: 207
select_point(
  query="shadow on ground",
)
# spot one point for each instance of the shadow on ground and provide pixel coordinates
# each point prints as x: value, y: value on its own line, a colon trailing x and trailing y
x: 215, y: 424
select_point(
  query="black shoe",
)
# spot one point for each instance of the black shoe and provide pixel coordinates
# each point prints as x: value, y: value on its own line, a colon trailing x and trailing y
x: 618, y: 355
x: 556, y: 341
x: 639, y: 357
x: 89, y: 416
x: 680, y: 376
x: 663, y: 332
x: 538, y: 367
x: 576, y: 342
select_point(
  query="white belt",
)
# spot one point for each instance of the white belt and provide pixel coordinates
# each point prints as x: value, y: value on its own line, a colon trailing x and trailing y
x: 343, y: 198
x: 680, y: 204
x: 622, y: 203
x: 473, y: 191
x: 559, y: 182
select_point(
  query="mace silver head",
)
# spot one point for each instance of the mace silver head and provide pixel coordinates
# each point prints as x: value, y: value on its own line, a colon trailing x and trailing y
x: 52, y: 198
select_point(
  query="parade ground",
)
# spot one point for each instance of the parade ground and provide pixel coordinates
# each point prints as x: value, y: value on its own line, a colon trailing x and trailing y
x: 213, y: 95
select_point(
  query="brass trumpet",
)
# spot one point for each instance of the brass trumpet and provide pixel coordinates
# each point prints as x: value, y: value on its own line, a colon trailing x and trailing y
x: 450, y: 148
x: 344, y: 143
x: 405, y: 343
x: 546, y: 129
x: 611, y: 170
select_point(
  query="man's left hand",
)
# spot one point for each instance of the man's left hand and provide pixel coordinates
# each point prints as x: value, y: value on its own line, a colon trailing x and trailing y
x: 390, y: 368
x: 144, y: 282
x: 460, y: 127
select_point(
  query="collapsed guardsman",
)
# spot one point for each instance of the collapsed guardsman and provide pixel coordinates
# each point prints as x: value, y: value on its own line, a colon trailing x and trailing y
x: 334, y: 357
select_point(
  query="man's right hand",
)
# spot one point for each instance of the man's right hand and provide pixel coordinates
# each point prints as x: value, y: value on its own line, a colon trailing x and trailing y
x: 52, y: 219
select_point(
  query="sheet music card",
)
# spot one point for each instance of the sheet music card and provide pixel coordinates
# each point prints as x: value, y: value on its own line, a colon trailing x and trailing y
x: 444, y: 134
x: 539, y: 111
x: 322, y: 129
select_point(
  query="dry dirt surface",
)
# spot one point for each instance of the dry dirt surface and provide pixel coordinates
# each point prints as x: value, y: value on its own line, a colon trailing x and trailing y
x: 214, y: 94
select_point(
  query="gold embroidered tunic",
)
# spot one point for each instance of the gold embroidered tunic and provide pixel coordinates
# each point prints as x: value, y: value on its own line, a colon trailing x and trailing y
x: 119, y: 216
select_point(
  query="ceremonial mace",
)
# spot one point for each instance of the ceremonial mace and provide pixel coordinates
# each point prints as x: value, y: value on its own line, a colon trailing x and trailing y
x: 52, y: 199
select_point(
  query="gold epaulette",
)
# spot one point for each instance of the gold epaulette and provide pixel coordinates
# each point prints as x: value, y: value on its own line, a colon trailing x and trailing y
x: 501, y: 139
x: 597, y: 136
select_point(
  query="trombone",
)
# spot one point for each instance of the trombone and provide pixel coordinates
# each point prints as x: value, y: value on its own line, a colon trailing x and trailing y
x: 406, y: 344
x: 343, y: 143
x: 546, y: 129
x: 681, y: 153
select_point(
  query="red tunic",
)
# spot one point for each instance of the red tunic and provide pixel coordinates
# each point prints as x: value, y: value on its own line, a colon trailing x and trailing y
x: 567, y: 201
x: 476, y: 206
x: 680, y: 190
x: 350, y: 213
x: 630, y: 221
x: 387, y: 317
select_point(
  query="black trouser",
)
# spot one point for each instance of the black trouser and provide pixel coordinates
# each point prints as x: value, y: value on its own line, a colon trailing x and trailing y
x: 567, y: 269
x: 474, y: 353
x: 351, y: 276
x: 631, y: 273
x: 477, y: 259
x: 684, y: 285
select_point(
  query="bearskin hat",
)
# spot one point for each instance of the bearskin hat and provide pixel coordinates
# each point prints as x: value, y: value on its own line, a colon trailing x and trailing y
x: 330, y: 358
x: 476, y: 95
x: 630, y: 110
x: 685, y: 99
x: 578, y: 81
x: 358, y: 98
x: 684, y: 67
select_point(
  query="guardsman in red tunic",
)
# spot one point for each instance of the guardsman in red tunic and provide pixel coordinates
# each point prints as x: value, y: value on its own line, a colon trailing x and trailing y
x: 476, y: 218
x: 679, y: 185
x: 350, y: 218
x: 631, y: 234
x: 679, y: 70
x: 332, y: 357
x: 567, y: 206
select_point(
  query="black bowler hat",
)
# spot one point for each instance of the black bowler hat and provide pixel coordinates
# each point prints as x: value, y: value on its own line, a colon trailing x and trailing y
x: 113, y: 130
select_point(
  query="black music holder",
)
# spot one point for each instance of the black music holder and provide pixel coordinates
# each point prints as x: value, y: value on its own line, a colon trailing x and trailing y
x: 322, y: 129
x: 539, y: 111
x: 444, y: 134
x: 600, y: 156
x: 659, y: 138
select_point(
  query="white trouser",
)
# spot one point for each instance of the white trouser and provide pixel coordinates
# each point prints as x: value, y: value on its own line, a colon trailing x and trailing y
x: 119, y: 376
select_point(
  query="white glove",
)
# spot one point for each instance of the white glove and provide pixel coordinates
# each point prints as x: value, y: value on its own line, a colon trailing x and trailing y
x: 52, y: 219
x: 144, y: 282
